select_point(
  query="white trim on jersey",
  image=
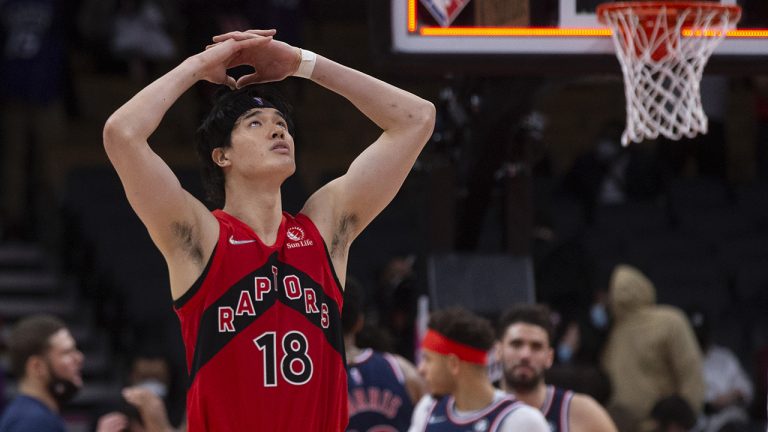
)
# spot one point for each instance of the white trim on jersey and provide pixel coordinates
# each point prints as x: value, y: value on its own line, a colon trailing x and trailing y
x: 395, y: 365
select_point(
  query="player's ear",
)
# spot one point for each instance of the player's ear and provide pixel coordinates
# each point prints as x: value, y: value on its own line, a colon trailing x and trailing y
x: 219, y: 157
x: 453, y: 363
x: 35, y: 366
x: 550, y: 357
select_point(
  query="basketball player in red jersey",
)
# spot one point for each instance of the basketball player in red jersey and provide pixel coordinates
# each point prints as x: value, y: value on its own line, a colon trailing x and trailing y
x: 258, y: 291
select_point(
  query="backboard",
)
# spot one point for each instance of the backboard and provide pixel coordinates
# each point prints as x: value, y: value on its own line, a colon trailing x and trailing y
x: 541, y: 27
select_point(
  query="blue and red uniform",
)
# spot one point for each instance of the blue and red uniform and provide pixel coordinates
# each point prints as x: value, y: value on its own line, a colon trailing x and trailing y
x: 378, y: 398
x: 556, y: 408
x: 443, y: 418
x: 262, y: 331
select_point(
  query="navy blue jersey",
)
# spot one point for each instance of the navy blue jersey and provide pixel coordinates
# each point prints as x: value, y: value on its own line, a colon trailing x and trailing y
x: 556, y: 408
x: 443, y: 417
x: 378, y: 399
x: 29, y: 414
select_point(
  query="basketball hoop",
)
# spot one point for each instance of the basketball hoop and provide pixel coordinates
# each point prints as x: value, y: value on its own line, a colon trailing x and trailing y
x: 663, y: 48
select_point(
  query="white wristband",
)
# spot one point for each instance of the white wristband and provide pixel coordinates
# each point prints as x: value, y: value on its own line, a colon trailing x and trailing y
x: 307, y: 65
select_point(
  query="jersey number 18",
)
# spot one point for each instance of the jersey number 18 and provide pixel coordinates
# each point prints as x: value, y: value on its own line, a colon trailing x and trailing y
x: 295, y: 364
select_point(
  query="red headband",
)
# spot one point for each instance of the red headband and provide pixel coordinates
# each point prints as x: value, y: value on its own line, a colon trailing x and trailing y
x: 440, y: 344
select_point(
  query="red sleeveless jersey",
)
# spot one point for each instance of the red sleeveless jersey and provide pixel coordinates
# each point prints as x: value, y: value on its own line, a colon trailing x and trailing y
x: 263, y: 337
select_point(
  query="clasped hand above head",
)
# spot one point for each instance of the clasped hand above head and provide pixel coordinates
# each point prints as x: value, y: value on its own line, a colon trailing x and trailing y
x: 272, y: 60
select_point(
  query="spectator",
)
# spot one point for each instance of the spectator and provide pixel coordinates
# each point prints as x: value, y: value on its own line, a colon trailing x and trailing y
x: 599, y: 176
x: 579, y: 341
x: 525, y: 352
x: 141, y: 36
x: 703, y: 155
x: 383, y: 388
x: 149, y: 381
x: 728, y: 389
x: 137, y: 36
x: 33, y: 69
x: 651, y: 351
x: 611, y: 174
x: 454, y: 363
x: 148, y: 413
x: 44, y: 357
x: 584, y: 336
x: 46, y: 360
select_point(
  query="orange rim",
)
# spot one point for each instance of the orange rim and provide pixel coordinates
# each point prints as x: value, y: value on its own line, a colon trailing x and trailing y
x: 651, y: 9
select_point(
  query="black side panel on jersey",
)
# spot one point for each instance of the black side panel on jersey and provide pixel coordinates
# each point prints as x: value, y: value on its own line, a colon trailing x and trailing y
x: 181, y: 301
x: 333, y: 270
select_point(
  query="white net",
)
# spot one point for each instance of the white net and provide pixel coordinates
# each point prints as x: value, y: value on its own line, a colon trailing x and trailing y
x: 663, y: 49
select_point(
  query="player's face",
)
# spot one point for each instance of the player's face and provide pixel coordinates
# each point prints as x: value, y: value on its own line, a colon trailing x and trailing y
x: 525, y: 354
x: 261, y: 143
x: 65, y: 360
x: 435, y: 369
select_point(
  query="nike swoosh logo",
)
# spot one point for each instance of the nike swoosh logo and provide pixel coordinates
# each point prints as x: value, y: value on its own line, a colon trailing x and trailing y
x: 239, y: 242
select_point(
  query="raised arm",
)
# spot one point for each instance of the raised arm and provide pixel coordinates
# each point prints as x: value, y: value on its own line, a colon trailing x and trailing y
x: 376, y: 175
x: 346, y: 205
x: 180, y: 225
x: 685, y: 362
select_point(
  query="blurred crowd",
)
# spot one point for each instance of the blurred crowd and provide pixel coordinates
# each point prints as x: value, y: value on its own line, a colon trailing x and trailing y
x: 646, y: 340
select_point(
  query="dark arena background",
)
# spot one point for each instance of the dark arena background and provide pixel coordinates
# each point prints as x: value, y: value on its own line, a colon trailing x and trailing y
x: 524, y: 192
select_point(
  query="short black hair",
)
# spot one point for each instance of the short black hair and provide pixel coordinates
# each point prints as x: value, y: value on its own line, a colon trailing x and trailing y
x: 216, y: 129
x: 460, y: 325
x: 29, y: 337
x: 538, y: 315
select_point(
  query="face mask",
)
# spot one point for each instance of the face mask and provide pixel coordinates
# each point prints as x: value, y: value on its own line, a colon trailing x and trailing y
x: 599, y: 316
x: 155, y: 386
x: 62, y: 390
